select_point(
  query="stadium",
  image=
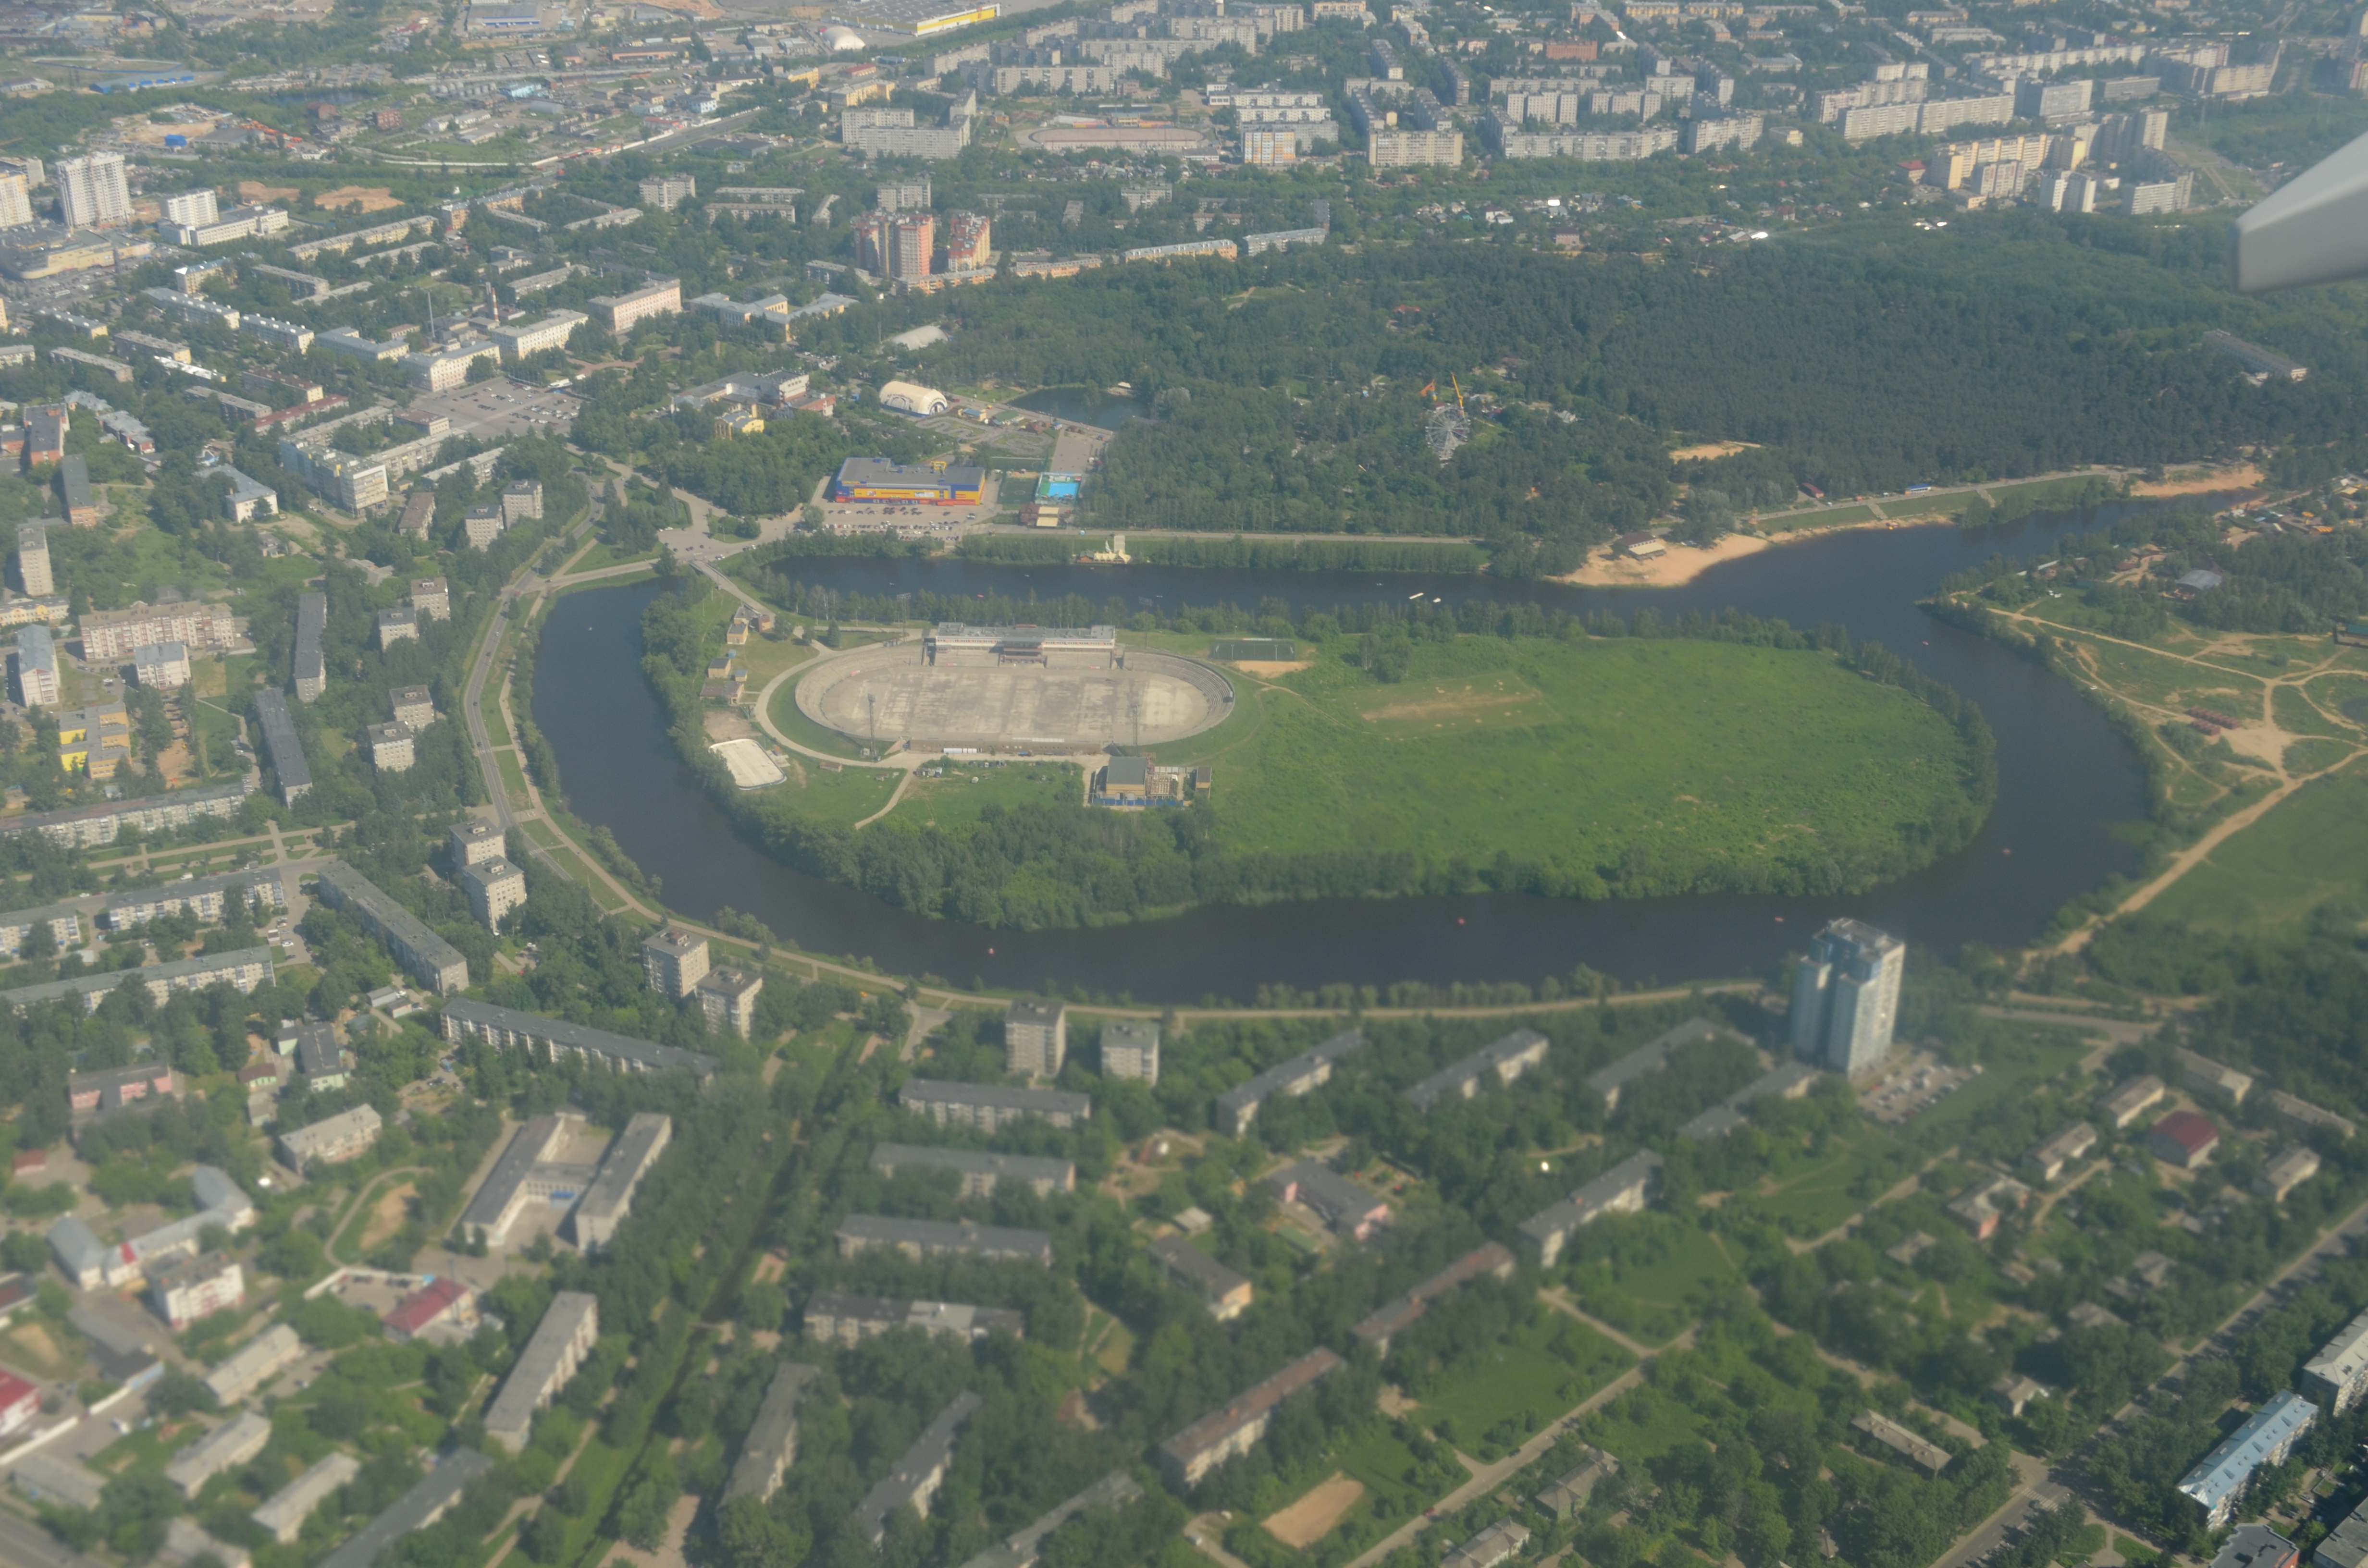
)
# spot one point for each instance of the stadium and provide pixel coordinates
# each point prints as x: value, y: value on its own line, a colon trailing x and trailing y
x: 1015, y: 688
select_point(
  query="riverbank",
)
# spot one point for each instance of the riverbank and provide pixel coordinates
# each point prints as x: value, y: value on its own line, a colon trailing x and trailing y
x: 1682, y: 563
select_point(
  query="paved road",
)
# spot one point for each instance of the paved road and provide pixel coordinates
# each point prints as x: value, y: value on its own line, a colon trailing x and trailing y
x: 27, y: 1545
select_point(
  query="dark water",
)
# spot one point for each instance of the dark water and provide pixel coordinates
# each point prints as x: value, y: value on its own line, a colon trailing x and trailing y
x: 2066, y: 781
x: 1081, y: 406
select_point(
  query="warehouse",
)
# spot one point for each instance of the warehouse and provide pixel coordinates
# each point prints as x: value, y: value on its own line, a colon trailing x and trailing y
x: 877, y: 479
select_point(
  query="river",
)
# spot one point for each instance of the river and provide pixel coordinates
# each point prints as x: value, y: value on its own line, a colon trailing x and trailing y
x: 2066, y: 781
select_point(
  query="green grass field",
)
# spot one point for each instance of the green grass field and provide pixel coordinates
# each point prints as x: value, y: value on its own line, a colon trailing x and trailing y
x: 1542, y: 1372
x: 847, y: 796
x: 956, y: 800
x: 2310, y: 848
x: 1702, y: 764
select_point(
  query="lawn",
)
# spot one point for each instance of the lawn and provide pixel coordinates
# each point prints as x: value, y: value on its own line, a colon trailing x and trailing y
x: 2174, y: 683
x: 2311, y: 847
x: 1660, y: 766
x: 794, y: 723
x: 848, y: 796
x: 956, y: 799
x: 1646, y: 1277
x: 1813, y: 1200
x: 605, y: 554
x: 1546, y: 1369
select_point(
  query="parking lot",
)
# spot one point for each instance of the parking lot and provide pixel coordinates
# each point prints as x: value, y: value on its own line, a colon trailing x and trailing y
x: 912, y: 521
x: 498, y: 409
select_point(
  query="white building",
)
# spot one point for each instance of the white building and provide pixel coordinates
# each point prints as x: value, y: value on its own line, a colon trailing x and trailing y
x: 92, y: 192
x: 1130, y: 1049
x: 1846, y: 997
x: 495, y: 888
x: 37, y: 668
x: 561, y: 1342
x: 342, y: 1137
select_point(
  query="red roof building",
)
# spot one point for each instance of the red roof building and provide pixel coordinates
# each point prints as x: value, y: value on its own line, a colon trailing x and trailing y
x: 20, y: 1402
x: 439, y: 1300
x: 2182, y: 1138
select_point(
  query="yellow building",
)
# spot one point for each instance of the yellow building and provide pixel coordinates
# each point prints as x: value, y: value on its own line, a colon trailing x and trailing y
x: 739, y: 422
x: 94, y: 740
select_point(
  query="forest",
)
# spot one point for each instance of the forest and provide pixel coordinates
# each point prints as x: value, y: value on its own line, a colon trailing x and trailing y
x: 2026, y: 347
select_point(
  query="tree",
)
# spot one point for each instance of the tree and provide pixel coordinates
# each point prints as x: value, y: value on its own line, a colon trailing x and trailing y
x: 1705, y: 516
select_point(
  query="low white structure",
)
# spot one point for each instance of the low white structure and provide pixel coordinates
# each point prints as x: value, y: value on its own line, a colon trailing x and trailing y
x: 285, y: 1512
x: 342, y: 1137
x: 227, y: 1446
x: 254, y: 1364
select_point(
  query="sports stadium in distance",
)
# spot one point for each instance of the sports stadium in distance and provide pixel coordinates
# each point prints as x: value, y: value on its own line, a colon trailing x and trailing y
x: 937, y: 484
x: 1015, y: 687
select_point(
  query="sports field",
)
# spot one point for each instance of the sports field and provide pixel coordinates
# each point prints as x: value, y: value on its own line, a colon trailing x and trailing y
x: 1627, y: 765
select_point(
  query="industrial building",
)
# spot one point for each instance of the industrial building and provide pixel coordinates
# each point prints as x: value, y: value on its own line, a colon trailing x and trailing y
x: 1237, y: 1107
x: 1035, y: 1037
x: 507, y: 1029
x: 989, y: 1105
x: 1226, y: 1293
x: 445, y: 1302
x: 2182, y: 1140
x: 1626, y: 1188
x: 917, y: 1239
x: 915, y: 1480
x: 1490, y: 1260
x: 561, y: 1341
x: 832, y: 1316
x: 342, y: 1137
x: 1846, y: 997
x: 1506, y: 1059
x: 1234, y: 1427
x: 773, y: 1441
x: 877, y: 479
x: 981, y: 1171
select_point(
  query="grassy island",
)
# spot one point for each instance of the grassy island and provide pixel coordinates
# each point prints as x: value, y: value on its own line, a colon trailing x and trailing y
x: 1734, y: 757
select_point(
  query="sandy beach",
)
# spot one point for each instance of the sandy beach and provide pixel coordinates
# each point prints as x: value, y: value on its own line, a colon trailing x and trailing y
x: 2209, y: 482
x: 1684, y: 562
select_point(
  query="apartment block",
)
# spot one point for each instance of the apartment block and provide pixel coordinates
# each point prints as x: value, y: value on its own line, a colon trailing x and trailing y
x: 281, y: 745
x: 1505, y: 1060
x: 620, y: 312
x: 1236, y: 1427
x: 495, y: 888
x: 835, y: 1318
x: 1130, y: 1049
x: 312, y: 671
x: 506, y: 1029
x: 771, y: 1445
x: 915, y: 1482
x: 1035, y: 1037
x: 981, y: 1171
x: 434, y: 962
x: 561, y: 1341
x: 228, y: 1445
x: 918, y: 1239
x: 609, y: 1200
x: 345, y: 1136
x: 1237, y: 1107
x: 674, y: 961
x: 728, y: 997
x: 115, y: 635
x: 1846, y: 997
x: 1626, y: 1188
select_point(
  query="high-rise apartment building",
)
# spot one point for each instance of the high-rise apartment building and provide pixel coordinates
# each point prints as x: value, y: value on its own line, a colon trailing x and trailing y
x: 871, y: 241
x: 15, y: 201
x: 1846, y: 996
x: 33, y: 560
x: 92, y: 192
x: 912, y: 239
x: 1035, y: 1037
x: 192, y: 208
x: 966, y: 239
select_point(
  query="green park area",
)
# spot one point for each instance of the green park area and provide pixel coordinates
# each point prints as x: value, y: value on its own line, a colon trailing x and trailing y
x: 1604, y: 764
